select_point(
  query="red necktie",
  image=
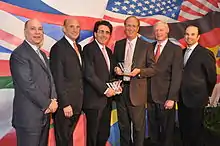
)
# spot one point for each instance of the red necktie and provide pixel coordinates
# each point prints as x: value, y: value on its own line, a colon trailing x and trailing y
x: 77, y: 52
x: 157, y: 55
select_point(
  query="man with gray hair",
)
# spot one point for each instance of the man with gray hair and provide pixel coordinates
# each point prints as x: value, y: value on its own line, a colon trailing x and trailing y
x: 163, y: 88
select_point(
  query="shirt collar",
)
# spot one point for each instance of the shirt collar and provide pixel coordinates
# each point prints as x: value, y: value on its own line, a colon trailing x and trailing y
x: 33, y: 46
x: 133, y: 42
x: 193, y: 46
x: 162, y: 43
x: 69, y: 40
x: 100, y: 45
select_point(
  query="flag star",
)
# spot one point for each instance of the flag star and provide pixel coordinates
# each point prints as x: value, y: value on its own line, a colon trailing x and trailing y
x: 157, y: 10
x: 170, y: 10
x: 118, y: 3
x: 150, y: 12
x: 163, y: 3
x: 132, y: 6
x: 173, y: 15
x: 158, y: 4
x: 145, y: 8
x: 168, y: 7
x: 169, y: 2
x: 130, y: 12
x: 126, y: 2
x: 143, y: 14
x: 175, y: 7
x: 115, y: 9
x: 147, y: 2
x: 164, y: 12
x: 152, y: 6
x: 138, y: 11
x: 140, y: 4
x: 174, y: 0
x: 153, y: 1
x: 124, y: 8
x: 134, y: 1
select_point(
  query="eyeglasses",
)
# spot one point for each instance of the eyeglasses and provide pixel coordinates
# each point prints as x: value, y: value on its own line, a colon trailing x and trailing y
x: 103, y: 32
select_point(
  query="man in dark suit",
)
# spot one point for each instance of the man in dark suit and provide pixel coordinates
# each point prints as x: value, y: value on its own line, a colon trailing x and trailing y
x: 35, y: 95
x: 137, y: 54
x: 98, y: 72
x: 198, y: 81
x: 163, y: 89
x: 66, y: 66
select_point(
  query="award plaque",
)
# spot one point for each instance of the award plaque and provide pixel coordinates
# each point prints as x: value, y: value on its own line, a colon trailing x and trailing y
x: 115, y: 85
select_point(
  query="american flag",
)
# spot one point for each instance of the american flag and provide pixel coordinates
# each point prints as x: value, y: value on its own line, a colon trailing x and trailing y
x: 51, y: 13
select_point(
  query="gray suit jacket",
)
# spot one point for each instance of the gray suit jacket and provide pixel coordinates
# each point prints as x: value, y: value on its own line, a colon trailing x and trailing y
x: 34, y: 87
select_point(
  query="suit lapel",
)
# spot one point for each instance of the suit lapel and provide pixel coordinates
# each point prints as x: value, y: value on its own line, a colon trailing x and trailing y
x: 71, y: 49
x: 164, y: 51
x: 101, y: 54
x: 192, y: 55
x: 35, y: 56
x: 136, y: 51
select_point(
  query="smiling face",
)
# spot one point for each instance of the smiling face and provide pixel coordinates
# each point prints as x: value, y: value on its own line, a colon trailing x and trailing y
x: 131, y: 27
x: 191, y: 35
x: 34, y: 32
x: 161, y: 31
x: 103, y: 34
x: 71, y: 29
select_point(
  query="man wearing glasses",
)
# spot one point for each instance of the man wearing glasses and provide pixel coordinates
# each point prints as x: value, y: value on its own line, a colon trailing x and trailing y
x: 97, y: 95
x: 138, y: 61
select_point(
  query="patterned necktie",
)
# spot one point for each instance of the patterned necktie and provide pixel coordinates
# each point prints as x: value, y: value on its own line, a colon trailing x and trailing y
x: 105, y: 54
x: 77, y: 52
x: 41, y: 57
x: 128, y: 61
x: 157, y: 55
x: 187, y: 55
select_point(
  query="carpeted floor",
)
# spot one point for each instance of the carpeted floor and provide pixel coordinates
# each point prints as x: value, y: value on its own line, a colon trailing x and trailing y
x: 211, y: 139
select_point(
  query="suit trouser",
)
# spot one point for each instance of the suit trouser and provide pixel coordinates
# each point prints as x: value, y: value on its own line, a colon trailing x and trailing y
x: 98, y: 125
x: 191, y: 125
x: 33, y: 137
x: 128, y: 113
x: 161, y: 124
x: 64, y: 128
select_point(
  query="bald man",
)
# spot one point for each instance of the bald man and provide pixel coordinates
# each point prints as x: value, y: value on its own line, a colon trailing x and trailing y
x: 66, y: 66
x: 35, y: 95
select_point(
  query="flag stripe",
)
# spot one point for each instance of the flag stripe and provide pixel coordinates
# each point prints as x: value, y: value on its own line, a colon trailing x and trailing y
x: 47, y: 18
x: 6, y: 82
x: 4, y: 69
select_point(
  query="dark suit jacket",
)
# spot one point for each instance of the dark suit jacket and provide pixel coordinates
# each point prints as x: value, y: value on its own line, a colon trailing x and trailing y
x: 96, y: 75
x: 199, y: 77
x: 143, y: 59
x: 67, y: 73
x: 33, y: 85
x: 166, y: 83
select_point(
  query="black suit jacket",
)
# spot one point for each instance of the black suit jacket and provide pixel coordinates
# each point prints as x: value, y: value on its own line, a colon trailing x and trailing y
x: 199, y: 77
x: 34, y: 87
x: 96, y: 75
x: 67, y: 73
x: 143, y: 59
x: 166, y: 83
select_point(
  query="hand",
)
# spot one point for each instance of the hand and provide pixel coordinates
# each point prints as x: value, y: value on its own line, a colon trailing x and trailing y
x: 47, y: 111
x: 169, y: 104
x: 110, y: 92
x: 118, y: 71
x: 135, y: 72
x: 53, y: 105
x: 68, y: 111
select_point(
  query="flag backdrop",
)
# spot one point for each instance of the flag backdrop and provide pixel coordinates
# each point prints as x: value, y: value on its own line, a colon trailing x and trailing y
x: 178, y: 13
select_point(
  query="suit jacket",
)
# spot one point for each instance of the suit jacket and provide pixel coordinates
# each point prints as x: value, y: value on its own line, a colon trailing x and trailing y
x: 34, y: 87
x: 96, y: 75
x: 166, y: 83
x: 67, y: 73
x: 199, y: 77
x: 143, y: 59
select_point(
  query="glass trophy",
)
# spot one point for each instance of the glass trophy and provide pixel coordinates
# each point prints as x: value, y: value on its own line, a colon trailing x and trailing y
x: 126, y: 68
x: 115, y: 85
